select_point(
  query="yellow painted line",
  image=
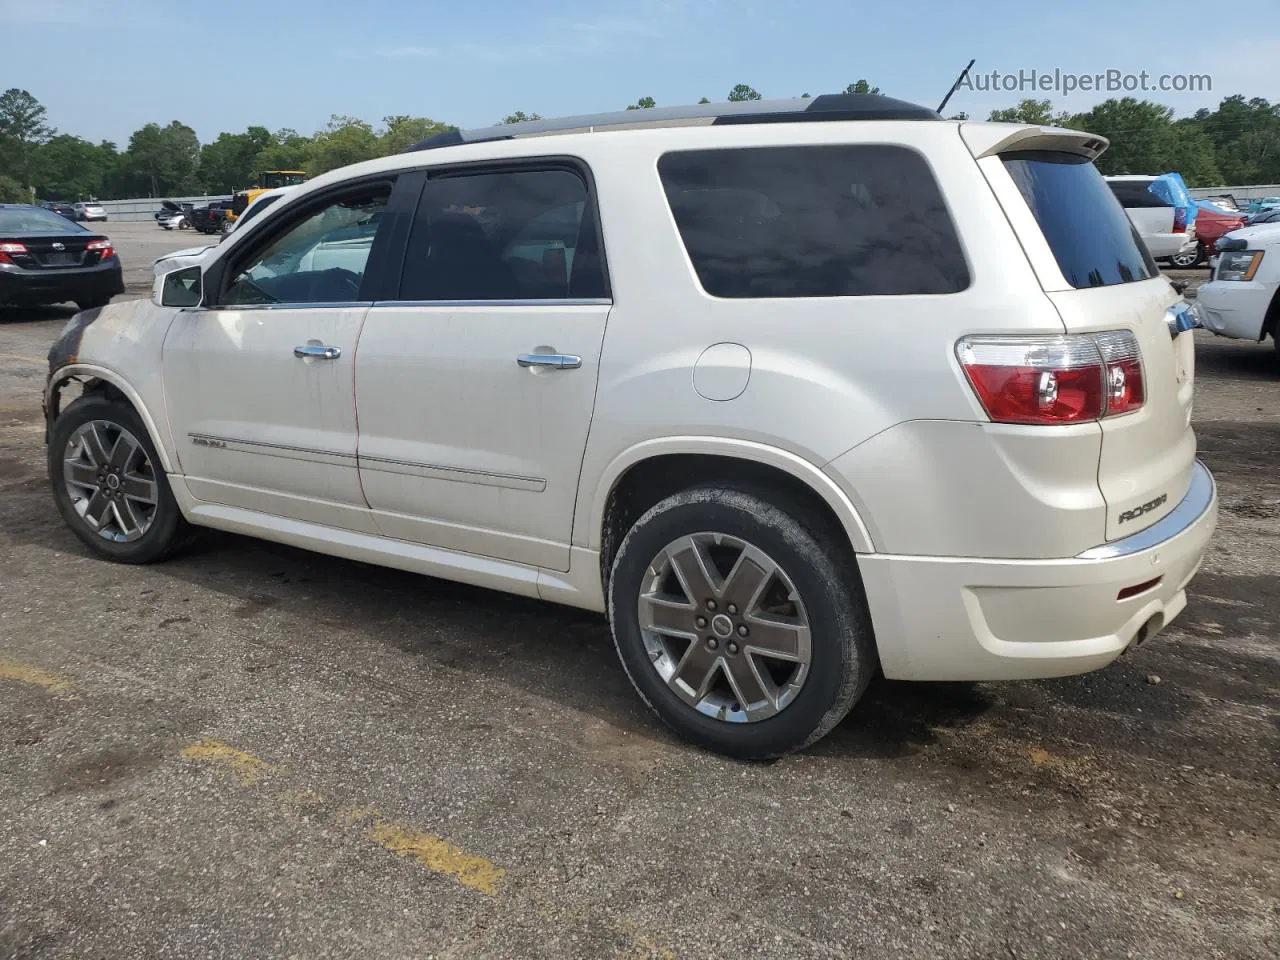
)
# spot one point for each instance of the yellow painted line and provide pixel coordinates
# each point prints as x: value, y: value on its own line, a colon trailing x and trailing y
x: 20, y: 359
x: 438, y: 855
x: 245, y: 767
x: 426, y: 849
x: 9, y: 670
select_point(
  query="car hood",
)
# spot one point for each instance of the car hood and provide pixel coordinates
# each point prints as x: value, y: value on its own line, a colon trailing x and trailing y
x: 1260, y: 235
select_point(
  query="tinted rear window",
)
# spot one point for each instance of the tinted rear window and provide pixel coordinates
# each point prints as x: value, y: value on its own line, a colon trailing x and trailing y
x: 18, y: 220
x: 1136, y: 193
x: 822, y: 221
x: 1090, y: 234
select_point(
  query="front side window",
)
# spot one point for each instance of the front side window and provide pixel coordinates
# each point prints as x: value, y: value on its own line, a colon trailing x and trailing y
x: 509, y: 235
x: 320, y: 259
x: 819, y: 221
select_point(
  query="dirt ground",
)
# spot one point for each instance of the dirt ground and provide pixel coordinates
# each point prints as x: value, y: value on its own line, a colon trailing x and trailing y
x: 252, y: 751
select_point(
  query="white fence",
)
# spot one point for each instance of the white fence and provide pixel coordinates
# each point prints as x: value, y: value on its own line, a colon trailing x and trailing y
x: 1240, y: 193
x: 135, y: 211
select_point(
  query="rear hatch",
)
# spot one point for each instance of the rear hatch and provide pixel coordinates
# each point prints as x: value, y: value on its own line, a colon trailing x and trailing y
x: 55, y: 252
x: 1100, y: 277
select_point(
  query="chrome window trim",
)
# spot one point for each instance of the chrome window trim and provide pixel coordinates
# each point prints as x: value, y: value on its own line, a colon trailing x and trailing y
x: 335, y: 305
x: 557, y: 302
x: 1199, y: 498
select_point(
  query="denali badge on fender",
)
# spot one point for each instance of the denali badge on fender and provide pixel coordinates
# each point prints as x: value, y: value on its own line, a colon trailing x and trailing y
x: 1145, y: 508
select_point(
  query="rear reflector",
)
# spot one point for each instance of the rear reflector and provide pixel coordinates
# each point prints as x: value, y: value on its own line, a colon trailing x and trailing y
x: 1054, y: 380
x: 1138, y: 588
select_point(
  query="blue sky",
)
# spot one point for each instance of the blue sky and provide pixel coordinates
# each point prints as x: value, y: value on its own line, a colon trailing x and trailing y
x: 103, y: 68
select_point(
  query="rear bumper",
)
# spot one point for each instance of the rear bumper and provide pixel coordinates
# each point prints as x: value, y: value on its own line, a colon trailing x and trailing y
x: 1234, y: 308
x: 58, y: 285
x: 978, y: 619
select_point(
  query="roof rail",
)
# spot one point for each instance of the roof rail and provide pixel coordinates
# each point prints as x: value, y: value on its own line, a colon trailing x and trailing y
x: 832, y: 106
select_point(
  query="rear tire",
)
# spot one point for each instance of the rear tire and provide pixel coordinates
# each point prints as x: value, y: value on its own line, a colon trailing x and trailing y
x: 93, y: 304
x: 108, y: 483
x: 1188, y: 260
x: 786, y: 629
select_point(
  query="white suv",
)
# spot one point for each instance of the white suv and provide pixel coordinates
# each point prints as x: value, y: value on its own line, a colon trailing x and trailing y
x: 1242, y: 298
x: 794, y: 390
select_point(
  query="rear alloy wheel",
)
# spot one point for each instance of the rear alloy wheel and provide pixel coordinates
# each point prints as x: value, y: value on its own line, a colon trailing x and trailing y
x: 108, y: 483
x: 1184, y: 261
x: 742, y: 629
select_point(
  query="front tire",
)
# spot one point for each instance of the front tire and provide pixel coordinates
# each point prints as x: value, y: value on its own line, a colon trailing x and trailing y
x: 740, y: 625
x: 109, y: 485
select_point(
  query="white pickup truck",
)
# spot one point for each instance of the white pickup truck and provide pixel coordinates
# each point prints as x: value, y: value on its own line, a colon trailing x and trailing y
x: 1162, y: 226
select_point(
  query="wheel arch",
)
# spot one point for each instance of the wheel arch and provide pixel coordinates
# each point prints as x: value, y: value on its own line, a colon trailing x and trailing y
x: 652, y: 470
x: 100, y: 379
x: 1271, y: 319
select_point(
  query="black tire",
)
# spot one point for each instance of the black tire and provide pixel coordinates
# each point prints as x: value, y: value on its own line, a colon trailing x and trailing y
x: 93, y: 304
x: 167, y: 531
x: 824, y: 574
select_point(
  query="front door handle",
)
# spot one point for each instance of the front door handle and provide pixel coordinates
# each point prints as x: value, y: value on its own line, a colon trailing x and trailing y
x: 317, y: 351
x: 559, y: 361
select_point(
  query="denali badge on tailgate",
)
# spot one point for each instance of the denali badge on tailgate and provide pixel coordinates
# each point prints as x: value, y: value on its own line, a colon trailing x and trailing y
x: 1145, y: 508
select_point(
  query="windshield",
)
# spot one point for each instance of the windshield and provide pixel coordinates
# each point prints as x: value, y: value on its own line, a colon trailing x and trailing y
x: 1087, y: 229
x: 35, y: 220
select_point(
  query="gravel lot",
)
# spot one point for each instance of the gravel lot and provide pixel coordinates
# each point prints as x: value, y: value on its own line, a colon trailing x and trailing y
x: 252, y: 751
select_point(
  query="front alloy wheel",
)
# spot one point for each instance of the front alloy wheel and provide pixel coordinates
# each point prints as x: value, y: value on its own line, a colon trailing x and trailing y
x: 110, y: 481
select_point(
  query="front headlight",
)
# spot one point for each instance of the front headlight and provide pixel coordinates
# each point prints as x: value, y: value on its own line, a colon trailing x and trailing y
x: 1238, y: 265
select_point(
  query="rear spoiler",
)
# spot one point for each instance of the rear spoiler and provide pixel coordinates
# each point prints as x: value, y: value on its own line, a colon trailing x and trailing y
x: 989, y: 139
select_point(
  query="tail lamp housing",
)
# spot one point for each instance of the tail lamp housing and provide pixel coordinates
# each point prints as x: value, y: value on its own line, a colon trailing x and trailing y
x: 102, y: 247
x: 1046, y: 381
x: 6, y: 249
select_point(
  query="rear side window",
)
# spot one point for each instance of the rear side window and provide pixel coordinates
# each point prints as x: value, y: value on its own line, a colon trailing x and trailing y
x: 1135, y: 194
x: 1087, y: 230
x: 820, y: 221
x: 523, y: 234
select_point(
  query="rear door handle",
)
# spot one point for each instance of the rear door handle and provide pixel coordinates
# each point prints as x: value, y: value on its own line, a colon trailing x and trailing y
x: 560, y: 361
x: 318, y: 352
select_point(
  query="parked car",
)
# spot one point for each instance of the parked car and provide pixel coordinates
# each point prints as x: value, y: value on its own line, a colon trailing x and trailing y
x: 171, y: 216
x: 774, y: 496
x: 45, y: 258
x: 1242, y: 298
x: 209, y: 217
x: 90, y: 212
x: 1261, y: 212
x: 1263, y: 217
x: 67, y: 210
x: 1165, y: 227
x: 1212, y: 221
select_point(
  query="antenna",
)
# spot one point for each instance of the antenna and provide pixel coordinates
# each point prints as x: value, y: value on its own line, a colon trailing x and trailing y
x: 956, y: 86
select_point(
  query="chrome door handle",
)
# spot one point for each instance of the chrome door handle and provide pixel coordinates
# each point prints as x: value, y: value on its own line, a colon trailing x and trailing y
x: 318, y: 352
x: 560, y: 361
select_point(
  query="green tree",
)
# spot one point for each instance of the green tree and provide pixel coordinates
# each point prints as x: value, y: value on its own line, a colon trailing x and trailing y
x: 230, y: 162
x: 345, y: 140
x: 11, y: 191
x: 742, y: 92
x: 704, y: 100
x: 804, y: 96
x: 23, y: 131
x: 1028, y: 111
x: 644, y: 103
x: 163, y: 160
x: 521, y: 117
x: 74, y: 169
x: 861, y: 86
x: 288, y: 150
x: 403, y: 132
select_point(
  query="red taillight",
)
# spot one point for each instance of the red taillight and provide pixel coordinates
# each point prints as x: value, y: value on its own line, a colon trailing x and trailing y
x: 103, y: 247
x: 1179, y: 220
x: 10, y: 248
x: 1054, y: 380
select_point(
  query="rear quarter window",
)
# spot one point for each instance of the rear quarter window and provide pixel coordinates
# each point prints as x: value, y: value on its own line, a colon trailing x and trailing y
x: 813, y: 221
x: 1088, y: 231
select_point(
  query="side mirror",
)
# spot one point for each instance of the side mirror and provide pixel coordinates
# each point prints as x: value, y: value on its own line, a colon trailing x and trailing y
x: 182, y: 288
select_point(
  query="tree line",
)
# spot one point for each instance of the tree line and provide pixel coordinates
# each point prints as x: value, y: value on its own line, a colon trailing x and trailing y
x: 1237, y: 143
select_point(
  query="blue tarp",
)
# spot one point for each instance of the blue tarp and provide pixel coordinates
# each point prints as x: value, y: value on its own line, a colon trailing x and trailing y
x: 1170, y: 188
